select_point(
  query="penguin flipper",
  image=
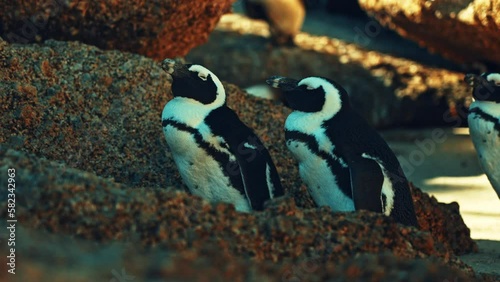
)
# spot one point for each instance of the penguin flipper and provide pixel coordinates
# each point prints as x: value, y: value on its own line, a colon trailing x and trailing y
x: 366, y: 184
x: 260, y: 178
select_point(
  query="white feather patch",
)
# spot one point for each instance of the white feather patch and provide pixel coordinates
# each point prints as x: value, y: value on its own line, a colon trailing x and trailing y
x: 489, y: 107
x: 486, y: 141
x: 269, y: 181
x: 495, y: 77
x: 387, y: 188
x: 260, y: 91
x: 200, y: 172
x: 318, y: 177
x: 249, y: 146
x: 310, y: 122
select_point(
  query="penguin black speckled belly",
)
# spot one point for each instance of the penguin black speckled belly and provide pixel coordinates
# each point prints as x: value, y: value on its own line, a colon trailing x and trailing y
x: 285, y: 17
x: 343, y: 161
x: 219, y: 158
x: 484, y: 123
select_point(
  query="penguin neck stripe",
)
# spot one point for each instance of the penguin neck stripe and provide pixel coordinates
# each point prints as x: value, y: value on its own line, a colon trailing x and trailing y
x: 487, y: 117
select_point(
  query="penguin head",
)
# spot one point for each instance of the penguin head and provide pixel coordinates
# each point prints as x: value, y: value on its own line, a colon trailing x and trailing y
x: 486, y: 87
x: 195, y: 82
x: 311, y: 94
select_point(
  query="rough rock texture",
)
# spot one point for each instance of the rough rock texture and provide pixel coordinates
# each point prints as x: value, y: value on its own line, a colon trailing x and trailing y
x: 157, y: 29
x: 80, y: 260
x: 97, y: 114
x: 59, y: 199
x: 452, y: 231
x: 386, y: 90
x: 463, y: 30
x: 99, y: 111
x: 94, y: 110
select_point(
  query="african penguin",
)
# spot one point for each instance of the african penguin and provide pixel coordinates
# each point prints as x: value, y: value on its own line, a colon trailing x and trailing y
x: 219, y: 158
x: 285, y: 17
x: 343, y: 161
x: 484, y: 123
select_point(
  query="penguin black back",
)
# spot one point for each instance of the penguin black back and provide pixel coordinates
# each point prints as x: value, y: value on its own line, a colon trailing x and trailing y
x: 253, y: 159
x: 352, y: 138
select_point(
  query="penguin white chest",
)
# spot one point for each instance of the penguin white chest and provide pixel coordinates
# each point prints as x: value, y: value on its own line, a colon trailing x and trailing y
x: 486, y: 140
x: 201, y: 172
x: 315, y: 171
x: 191, y: 143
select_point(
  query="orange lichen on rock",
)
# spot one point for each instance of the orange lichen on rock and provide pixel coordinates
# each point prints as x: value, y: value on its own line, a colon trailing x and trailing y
x: 444, y: 222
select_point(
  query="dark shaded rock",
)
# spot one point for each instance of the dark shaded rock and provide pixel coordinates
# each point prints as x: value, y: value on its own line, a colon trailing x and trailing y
x: 345, y: 7
x: 49, y: 257
x: 387, y: 91
x: 70, y: 201
x: 157, y: 29
x: 465, y: 30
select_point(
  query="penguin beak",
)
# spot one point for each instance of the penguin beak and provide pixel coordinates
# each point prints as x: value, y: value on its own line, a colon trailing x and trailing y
x: 283, y: 83
x: 174, y: 68
x: 472, y: 79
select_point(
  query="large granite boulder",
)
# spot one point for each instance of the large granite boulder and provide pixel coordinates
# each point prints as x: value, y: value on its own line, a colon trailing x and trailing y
x: 156, y: 29
x: 463, y: 30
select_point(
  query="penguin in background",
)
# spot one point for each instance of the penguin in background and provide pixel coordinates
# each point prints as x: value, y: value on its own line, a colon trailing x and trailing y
x: 285, y: 18
x: 344, y: 162
x: 484, y: 123
x: 219, y: 158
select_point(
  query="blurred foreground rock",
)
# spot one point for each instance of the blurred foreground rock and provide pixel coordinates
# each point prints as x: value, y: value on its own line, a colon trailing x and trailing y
x: 386, y: 90
x: 156, y: 29
x: 81, y: 260
x: 463, y: 30
x: 283, y: 239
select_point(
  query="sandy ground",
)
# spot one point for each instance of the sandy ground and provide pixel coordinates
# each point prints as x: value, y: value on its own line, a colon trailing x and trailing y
x: 447, y: 167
